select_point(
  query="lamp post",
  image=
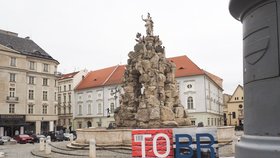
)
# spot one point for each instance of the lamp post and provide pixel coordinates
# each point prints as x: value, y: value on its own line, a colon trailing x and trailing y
x: 114, y: 92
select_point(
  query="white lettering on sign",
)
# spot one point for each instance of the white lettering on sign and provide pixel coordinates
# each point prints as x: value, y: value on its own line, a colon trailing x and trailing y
x: 167, y: 151
x: 141, y: 138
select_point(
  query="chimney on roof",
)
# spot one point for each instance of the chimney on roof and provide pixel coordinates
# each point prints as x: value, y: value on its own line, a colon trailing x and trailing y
x: 8, y: 33
x: 27, y: 37
x: 83, y: 77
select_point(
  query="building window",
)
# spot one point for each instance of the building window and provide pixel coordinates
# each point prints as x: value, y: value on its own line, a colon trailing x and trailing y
x: 46, y: 68
x: 64, y: 110
x: 80, y: 125
x: 212, y: 121
x: 69, y: 109
x: 64, y: 98
x: 54, y: 96
x: 59, y: 98
x: 13, y: 61
x: 12, y: 77
x: 59, y: 110
x: 45, y: 109
x: 69, y: 98
x: 190, y: 102
x: 69, y: 87
x: 112, y: 108
x: 80, y: 109
x: 208, y: 121
x: 31, y: 79
x: 64, y: 88
x: 233, y: 115
x: 189, y: 86
x: 12, y: 92
x: 45, y: 95
x: 30, y: 109
x: 11, y: 108
x: 31, y: 94
x: 99, y: 110
x: 32, y: 65
x: 89, y: 109
x: 55, y: 109
x: 45, y: 81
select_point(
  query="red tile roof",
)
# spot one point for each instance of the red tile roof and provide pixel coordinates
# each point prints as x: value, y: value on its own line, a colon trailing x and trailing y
x: 113, y: 75
x: 102, y: 77
x: 69, y: 75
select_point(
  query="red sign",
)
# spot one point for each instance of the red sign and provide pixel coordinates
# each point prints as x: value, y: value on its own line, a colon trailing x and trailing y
x: 151, y: 143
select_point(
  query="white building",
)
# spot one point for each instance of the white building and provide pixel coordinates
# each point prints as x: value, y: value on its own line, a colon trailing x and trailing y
x: 200, y: 93
x: 95, y: 101
x: 66, y: 98
x: 28, y: 86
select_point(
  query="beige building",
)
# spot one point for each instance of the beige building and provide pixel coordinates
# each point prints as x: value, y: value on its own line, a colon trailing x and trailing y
x: 66, y: 98
x: 28, y: 86
x: 234, y: 107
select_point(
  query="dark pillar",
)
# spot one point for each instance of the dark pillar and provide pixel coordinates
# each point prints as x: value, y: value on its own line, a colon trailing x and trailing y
x: 261, y: 70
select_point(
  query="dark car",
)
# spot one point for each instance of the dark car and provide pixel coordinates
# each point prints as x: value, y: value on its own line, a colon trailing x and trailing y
x: 23, y: 139
x: 1, y: 142
x: 60, y: 137
x: 36, y: 138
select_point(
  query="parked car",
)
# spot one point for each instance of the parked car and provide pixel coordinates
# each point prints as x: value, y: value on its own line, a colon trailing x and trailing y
x: 5, y: 139
x: 60, y: 137
x: 1, y: 142
x: 36, y: 138
x: 24, y: 138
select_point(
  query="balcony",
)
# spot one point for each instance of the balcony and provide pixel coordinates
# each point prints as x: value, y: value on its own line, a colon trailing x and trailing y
x: 57, y: 74
x: 12, y: 99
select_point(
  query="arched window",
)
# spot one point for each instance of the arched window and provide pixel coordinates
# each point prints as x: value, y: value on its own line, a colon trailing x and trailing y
x: 190, y: 102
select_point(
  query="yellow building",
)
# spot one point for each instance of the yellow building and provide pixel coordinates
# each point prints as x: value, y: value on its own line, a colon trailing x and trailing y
x: 234, y: 107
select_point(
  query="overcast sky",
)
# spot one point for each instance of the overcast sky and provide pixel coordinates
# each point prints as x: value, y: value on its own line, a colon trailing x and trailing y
x: 94, y: 34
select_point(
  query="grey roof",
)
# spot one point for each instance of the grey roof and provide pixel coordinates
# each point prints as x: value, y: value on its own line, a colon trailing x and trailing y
x: 23, y: 45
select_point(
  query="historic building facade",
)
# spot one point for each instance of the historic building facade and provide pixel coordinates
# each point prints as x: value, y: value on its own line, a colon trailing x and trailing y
x: 98, y: 94
x: 28, y: 86
x: 234, y: 109
x: 66, y: 98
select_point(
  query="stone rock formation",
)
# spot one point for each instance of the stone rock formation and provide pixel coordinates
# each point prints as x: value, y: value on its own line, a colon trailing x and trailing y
x: 150, y: 97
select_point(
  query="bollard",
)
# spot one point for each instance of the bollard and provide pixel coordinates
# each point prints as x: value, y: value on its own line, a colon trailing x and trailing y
x: 71, y: 137
x: 48, y: 147
x: 42, y: 144
x: 92, y: 148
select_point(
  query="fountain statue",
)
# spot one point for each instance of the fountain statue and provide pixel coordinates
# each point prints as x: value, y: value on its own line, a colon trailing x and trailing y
x: 150, y: 97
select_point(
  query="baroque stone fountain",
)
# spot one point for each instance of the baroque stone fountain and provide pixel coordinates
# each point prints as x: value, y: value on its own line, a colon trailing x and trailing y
x: 150, y: 97
x: 151, y: 94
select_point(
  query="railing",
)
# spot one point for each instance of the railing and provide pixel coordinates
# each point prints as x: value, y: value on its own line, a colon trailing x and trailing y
x: 12, y: 99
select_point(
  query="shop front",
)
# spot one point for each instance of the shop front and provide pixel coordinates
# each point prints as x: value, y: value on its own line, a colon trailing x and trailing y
x: 11, y: 125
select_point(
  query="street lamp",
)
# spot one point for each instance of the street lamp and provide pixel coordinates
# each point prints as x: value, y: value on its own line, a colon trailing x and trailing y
x: 114, y: 92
